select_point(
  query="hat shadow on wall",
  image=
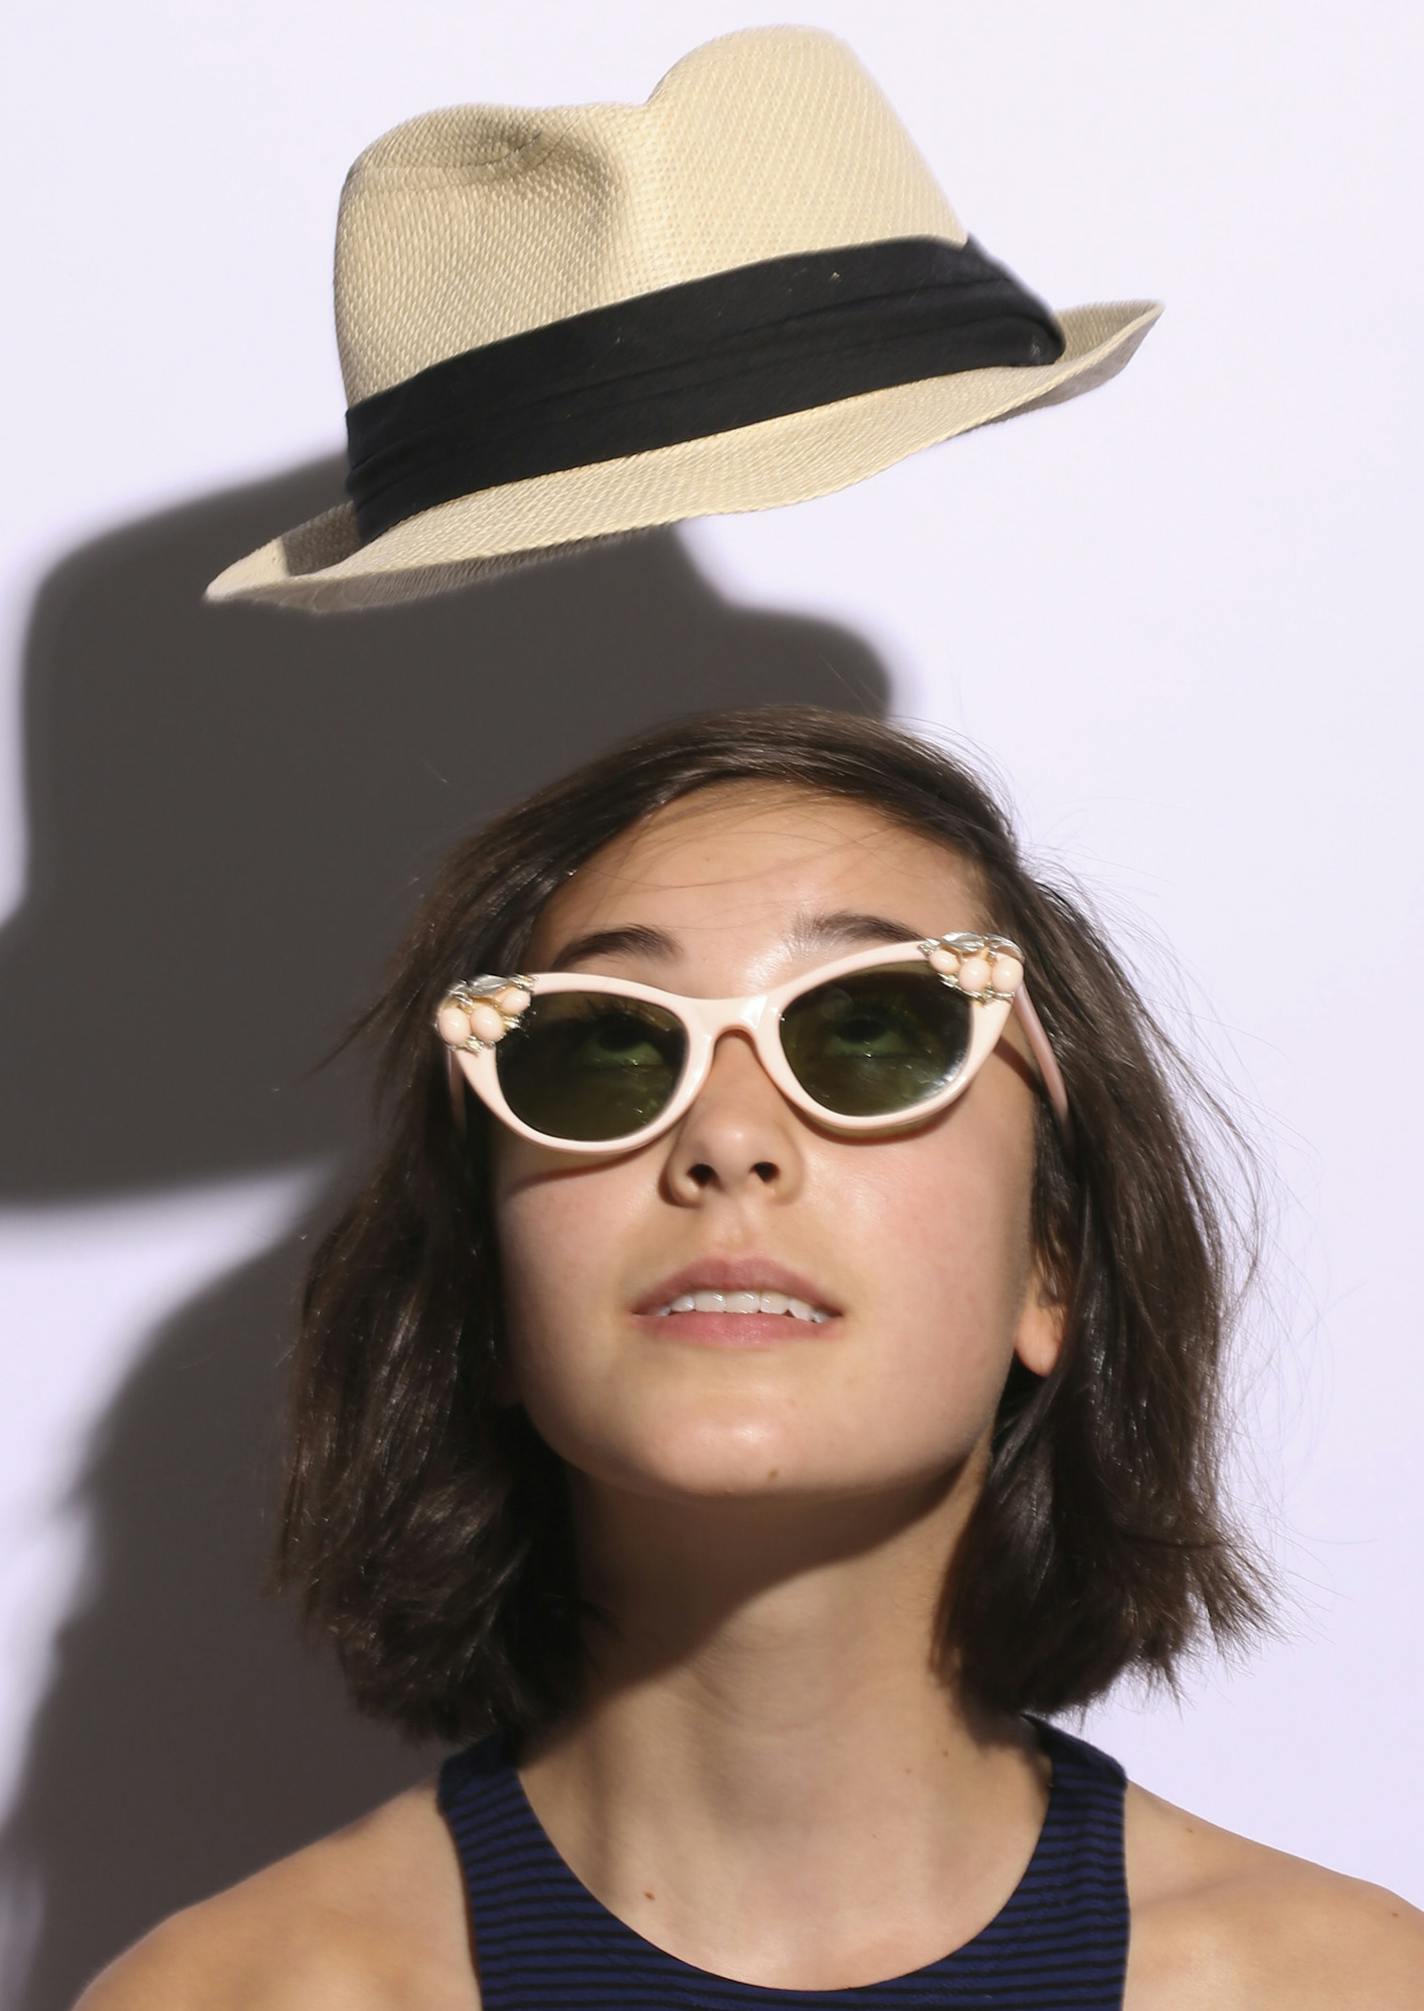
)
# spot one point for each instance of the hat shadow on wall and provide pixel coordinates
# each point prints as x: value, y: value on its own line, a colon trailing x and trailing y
x: 232, y: 810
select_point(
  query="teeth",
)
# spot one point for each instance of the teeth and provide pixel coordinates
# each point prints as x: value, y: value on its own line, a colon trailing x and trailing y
x: 745, y: 1302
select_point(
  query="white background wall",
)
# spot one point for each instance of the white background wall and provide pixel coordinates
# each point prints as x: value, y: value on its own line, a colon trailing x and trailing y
x: 1171, y: 614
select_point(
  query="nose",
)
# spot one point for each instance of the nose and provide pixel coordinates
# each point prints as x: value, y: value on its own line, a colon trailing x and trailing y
x: 740, y: 1132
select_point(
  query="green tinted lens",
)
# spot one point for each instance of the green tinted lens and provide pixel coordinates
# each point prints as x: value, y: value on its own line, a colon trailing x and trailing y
x: 877, y: 1041
x: 591, y: 1065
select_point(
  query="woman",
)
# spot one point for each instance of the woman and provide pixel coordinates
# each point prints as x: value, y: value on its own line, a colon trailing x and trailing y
x: 739, y: 1432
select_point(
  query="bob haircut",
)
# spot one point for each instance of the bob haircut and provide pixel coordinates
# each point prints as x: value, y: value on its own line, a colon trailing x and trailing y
x: 427, y: 1529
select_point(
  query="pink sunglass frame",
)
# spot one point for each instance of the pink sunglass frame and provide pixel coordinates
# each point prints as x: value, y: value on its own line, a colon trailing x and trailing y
x: 705, y: 1020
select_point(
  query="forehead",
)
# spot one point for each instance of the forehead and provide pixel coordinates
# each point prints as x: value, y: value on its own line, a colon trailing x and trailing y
x: 748, y: 855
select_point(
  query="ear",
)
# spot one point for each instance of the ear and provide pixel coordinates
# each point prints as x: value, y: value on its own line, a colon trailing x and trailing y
x: 1038, y: 1339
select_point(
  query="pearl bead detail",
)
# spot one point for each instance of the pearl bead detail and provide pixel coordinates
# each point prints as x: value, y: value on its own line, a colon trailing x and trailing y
x: 485, y: 1023
x: 453, y: 1024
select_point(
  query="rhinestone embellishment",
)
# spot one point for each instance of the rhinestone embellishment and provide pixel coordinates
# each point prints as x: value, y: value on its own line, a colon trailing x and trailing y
x: 481, y: 1011
x: 982, y: 967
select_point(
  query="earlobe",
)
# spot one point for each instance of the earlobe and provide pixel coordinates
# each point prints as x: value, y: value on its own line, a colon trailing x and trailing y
x: 1039, y: 1340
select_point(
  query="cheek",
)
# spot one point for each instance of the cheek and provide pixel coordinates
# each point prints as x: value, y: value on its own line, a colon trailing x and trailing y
x: 939, y: 1248
x: 936, y: 1241
x: 565, y: 1238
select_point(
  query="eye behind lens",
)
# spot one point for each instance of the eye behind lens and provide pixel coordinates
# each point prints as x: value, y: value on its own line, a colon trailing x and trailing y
x: 591, y: 1065
x: 877, y: 1041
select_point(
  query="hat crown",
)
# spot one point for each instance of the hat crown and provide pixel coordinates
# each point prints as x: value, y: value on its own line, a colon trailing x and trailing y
x: 477, y: 222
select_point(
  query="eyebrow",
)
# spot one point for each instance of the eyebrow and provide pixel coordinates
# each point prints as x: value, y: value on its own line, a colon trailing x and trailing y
x: 807, y: 933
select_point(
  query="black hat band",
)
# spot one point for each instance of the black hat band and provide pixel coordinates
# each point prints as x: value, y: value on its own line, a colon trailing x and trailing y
x: 705, y: 356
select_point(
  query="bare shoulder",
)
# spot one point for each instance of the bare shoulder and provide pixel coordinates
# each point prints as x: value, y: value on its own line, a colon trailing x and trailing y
x: 369, y: 1918
x: 1224, y: 1922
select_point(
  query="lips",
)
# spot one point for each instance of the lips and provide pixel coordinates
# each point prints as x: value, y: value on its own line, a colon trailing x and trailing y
x: 736, y: 1274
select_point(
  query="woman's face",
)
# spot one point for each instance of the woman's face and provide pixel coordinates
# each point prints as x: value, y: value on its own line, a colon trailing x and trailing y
x: 920, y: 1238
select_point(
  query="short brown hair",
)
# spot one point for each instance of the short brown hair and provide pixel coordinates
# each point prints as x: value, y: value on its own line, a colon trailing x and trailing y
x: 427, y: 1529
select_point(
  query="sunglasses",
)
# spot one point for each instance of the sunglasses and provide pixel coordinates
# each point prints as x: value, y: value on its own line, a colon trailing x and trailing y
x: 868, y: 1043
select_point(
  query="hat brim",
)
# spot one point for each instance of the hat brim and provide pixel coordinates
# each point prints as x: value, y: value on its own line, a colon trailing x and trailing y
x: 323, y: 567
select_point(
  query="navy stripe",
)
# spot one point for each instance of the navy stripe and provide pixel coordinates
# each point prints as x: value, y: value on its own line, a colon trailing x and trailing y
x: 542, y: 1938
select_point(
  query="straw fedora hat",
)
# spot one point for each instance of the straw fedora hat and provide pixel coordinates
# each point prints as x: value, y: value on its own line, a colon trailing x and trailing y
x: 563, y: 324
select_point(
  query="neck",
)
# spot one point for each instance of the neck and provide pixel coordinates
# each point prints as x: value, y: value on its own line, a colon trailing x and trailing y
x: 772, y: 1772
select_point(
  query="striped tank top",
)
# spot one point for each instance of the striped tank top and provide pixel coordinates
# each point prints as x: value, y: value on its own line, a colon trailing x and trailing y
x: 543, y: 1939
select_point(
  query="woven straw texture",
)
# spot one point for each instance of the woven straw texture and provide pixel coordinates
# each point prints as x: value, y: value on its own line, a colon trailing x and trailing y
x: 477, y: 222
